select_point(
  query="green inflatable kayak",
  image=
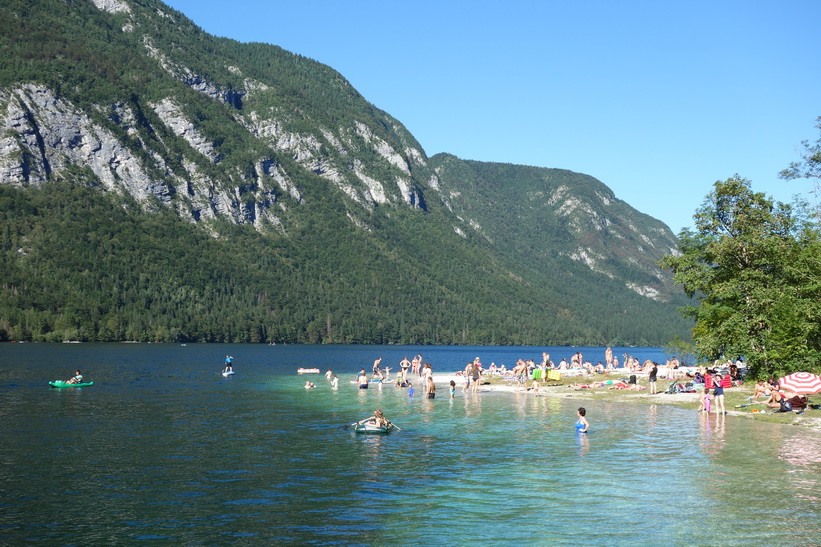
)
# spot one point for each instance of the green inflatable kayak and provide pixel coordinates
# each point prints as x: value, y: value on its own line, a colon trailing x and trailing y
x: 60, y: 383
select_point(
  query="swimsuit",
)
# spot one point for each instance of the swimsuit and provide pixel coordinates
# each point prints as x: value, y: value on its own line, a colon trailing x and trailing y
x: 580, y: 426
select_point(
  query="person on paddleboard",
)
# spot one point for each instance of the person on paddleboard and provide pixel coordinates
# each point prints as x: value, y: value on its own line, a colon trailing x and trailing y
x: 229, y: 364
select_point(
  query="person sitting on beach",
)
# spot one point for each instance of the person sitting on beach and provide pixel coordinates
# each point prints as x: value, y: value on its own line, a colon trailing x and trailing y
x: 798, y: 402
x: 761, y: 389
x: 775, y: 399
x: 735, y: 375
x: 563, y: 364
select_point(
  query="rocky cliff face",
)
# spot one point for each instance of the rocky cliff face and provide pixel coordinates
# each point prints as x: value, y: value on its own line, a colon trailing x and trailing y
x: 227, y: 140
x: 42, y: 135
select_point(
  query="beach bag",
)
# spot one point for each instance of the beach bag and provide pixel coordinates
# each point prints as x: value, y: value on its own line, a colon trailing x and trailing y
x: 785, y: 406
x: 632, y: 379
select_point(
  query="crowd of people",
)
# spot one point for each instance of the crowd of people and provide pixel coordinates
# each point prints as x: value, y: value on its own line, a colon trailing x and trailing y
x: 423, y: 372
x: 710, y: 383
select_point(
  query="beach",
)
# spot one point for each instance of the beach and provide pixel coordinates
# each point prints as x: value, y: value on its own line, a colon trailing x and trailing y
x: 569, y: 387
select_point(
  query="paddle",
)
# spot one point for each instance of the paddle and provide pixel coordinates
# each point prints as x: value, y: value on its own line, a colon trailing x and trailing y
x: 354, y: 424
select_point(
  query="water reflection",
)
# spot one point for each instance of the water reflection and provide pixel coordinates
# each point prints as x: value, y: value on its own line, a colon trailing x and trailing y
x: 802, y: 449
x: 711, y: 429
x: 583, y: 442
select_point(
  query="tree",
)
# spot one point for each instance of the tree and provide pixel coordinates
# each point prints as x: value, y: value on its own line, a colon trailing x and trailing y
x: 808, y: 168
x: 753, y: 265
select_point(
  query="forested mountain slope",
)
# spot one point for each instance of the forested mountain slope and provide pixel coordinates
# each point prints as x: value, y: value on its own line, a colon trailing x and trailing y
x: 159, y: 183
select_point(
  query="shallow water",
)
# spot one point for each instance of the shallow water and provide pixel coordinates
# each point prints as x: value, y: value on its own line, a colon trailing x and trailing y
x: 163, y: 449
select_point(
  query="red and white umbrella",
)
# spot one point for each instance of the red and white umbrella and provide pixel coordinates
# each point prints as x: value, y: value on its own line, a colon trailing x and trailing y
x: 801, y: 383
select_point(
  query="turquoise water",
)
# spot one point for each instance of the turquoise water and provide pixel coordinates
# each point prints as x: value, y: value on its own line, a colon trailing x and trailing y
x: 164, y: 450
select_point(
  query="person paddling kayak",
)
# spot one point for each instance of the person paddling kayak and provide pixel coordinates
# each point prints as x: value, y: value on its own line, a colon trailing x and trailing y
x: 77, y: 378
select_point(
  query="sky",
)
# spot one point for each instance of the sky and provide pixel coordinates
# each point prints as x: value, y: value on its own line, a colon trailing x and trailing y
x: 658, y: 100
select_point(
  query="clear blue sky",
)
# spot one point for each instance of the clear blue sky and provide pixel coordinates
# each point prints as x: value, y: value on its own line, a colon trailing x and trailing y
x: 658, y: 100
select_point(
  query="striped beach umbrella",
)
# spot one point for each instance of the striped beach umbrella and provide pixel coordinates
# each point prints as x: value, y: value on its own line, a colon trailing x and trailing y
x: 801, y: 383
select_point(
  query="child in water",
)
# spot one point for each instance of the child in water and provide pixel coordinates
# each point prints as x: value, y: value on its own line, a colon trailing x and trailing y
x: 705, y: 401
x: 452, y: 389
x: 410, y: 389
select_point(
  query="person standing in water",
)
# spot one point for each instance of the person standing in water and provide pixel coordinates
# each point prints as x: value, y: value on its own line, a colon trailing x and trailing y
x: 476, y: 374
x: 404, y: 364
x: 718, y: 395
x: 362, y: 379
x: 430, y: 387
x: 582, y: 425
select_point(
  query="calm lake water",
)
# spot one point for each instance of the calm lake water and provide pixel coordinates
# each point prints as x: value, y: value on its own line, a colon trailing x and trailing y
x: 164, y: 450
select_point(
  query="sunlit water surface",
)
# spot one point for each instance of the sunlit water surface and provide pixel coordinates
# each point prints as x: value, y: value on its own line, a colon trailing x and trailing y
x: 164, y: 450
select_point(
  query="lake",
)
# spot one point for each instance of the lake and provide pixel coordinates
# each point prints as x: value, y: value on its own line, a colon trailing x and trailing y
x: 163, y: 449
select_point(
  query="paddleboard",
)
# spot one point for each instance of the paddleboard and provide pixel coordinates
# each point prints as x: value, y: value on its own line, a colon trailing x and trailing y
x: 229, y: 373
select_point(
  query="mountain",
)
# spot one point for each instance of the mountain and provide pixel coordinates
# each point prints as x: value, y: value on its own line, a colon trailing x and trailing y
x: 160, y: 183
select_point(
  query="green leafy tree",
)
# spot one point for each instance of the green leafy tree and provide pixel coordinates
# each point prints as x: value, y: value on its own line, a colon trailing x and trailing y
x: 753, y: 266
x: 808, y: 168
